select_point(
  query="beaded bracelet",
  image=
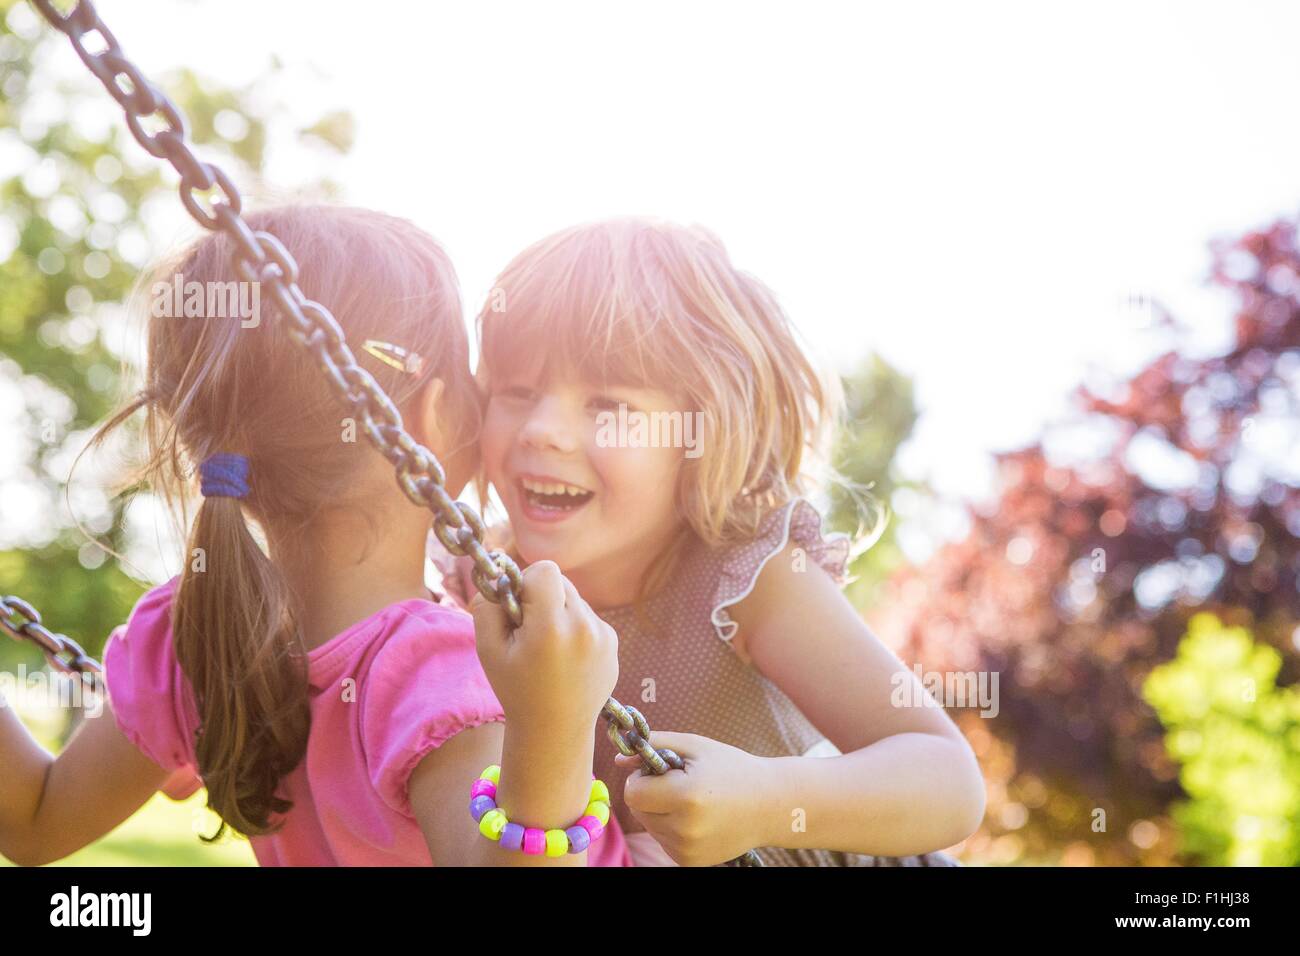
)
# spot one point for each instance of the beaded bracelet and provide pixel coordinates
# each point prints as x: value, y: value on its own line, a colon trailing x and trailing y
x: 492, y: 822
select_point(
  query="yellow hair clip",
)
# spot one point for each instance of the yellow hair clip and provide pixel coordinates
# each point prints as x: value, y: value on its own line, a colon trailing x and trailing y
x: 404, y: 360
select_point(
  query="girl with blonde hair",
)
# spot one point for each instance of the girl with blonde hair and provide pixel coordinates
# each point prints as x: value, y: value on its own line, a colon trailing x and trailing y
x: 652, y: 427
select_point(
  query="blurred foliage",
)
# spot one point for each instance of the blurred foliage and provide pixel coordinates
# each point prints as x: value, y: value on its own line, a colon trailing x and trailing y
x: 1237, y: 736
x: 880, y: 412
x: 336, y: 130
x: 78, y: 215
x: 1083, y: 575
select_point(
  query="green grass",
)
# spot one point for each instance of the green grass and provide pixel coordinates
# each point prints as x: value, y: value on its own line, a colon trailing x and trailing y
x: 164, y: 832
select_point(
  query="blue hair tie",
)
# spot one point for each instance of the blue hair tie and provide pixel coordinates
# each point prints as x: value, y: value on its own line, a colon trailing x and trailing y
x: 224, y: 475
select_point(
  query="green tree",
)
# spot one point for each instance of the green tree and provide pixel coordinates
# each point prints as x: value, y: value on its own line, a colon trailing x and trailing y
x: 880, y: 412
x: 74, y: 235
x: 1236, y: 735
x: 1083, y: 573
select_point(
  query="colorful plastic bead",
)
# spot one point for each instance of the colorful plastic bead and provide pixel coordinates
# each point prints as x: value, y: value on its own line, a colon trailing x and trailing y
x: 534, y: 841
x: 492, y: 823
x: 579, y: 838
x: 512, y: 837
x: 492, y: 773
x: 481, y: 805
x: 593, y: 827
x: 599, y: 792
x: 599, y: 810
x: 557, y: 843
x: 483, y: 788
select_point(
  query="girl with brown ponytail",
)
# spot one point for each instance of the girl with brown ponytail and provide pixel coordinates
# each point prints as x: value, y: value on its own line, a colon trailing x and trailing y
x: 336, y: 714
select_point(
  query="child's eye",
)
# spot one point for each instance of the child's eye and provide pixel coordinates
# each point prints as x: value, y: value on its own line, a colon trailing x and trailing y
x: 604, y: 403
x: 518, y: 393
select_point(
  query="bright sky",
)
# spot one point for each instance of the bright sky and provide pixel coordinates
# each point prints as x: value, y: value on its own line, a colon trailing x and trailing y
x: 972, y: 190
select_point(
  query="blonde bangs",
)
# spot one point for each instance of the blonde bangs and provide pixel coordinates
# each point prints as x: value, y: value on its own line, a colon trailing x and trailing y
x: 577, y: 305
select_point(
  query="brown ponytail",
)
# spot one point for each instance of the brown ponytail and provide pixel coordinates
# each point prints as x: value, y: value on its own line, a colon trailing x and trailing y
x: 213, y: 385
x: 253, y: 688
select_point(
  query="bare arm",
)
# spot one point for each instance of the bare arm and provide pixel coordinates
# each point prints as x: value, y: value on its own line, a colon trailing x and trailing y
x: 53, y: 806
x: 907, y: 782
x: 544, y: 783
x: 552, y: 675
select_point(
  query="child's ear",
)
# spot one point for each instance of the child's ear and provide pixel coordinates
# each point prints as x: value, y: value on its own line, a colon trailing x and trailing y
x: 438, y: 428
x: 425, y: 404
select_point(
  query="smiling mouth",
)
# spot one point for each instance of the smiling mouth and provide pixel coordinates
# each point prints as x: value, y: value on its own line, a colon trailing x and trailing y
x: 555, y: 497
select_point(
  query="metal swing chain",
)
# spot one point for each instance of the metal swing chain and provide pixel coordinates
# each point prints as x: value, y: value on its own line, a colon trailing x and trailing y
x: 260, y: 257
x: 21, y: 621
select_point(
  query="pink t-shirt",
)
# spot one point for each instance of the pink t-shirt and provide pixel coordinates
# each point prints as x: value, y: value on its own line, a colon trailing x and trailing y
x: 415, y: 681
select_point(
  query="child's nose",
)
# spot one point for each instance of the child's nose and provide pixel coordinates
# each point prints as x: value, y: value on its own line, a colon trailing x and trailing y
x: 551, y: 425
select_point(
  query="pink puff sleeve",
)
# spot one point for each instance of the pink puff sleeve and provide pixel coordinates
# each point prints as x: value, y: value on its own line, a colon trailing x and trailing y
x: 424, y: 686
x: 147, y: 691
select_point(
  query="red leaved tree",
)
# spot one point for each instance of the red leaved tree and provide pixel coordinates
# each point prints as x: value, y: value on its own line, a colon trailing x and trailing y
x: 1084, y: 574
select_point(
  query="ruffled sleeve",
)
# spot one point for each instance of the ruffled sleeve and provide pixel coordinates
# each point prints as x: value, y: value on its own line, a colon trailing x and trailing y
x: 147, y: 691
x: 424, y: 687
x: 796, y: 522
x: 451, y: 575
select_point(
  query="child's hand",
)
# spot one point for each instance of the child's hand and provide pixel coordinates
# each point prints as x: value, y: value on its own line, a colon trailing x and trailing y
x: 555, y: 672
x: 708, y: 813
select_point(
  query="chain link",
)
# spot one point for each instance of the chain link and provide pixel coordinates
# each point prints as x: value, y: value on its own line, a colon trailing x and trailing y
x: 260, y: 257
x: 21, y: 621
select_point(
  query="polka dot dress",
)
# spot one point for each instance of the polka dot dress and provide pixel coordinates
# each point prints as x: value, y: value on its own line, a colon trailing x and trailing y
x: 677, y: 667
